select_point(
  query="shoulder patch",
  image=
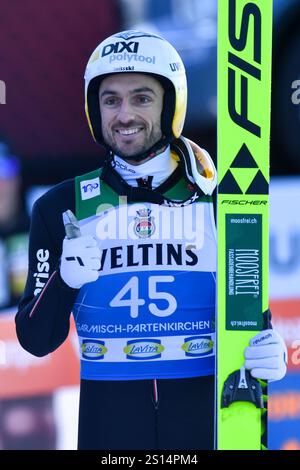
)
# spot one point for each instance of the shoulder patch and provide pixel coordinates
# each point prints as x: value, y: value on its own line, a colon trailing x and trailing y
x: 90, y: 188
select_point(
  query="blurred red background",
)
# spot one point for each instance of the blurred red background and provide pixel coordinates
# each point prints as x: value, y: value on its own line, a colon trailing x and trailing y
x: 47, y: 45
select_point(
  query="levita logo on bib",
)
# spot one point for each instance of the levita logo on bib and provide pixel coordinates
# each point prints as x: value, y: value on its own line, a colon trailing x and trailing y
x: 143, y: 349
x: 196, y: 346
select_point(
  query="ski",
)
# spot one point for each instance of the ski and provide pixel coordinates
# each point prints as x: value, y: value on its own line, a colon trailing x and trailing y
x: 244, y: 102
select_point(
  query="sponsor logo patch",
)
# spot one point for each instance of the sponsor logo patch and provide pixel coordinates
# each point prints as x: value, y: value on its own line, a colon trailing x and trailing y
x: 42, y: 270
x: 93, y: 349
x: 90, y: 188
x: 143, y: 349
x: 196, y: 346
x: 131, y: 47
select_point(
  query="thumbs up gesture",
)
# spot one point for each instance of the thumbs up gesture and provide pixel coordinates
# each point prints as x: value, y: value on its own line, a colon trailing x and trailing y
x: 81, y: 256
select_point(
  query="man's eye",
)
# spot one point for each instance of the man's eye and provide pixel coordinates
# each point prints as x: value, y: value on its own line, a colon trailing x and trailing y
x: 143, y: 99
x: 111, y: 101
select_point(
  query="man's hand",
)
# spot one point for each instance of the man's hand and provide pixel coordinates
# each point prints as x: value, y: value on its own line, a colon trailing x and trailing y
x: 80, y: 260
x: 266, y: 357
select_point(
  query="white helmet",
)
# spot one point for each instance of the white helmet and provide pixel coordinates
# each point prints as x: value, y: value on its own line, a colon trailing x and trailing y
x: 136, y: 51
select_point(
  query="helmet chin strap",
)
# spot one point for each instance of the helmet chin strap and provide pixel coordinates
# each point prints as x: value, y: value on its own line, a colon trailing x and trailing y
x: 151, y: 152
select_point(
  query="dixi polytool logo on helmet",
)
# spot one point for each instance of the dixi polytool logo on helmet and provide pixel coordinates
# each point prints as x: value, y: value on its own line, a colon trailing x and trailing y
x: 125, y: 52
x: 131, y: 47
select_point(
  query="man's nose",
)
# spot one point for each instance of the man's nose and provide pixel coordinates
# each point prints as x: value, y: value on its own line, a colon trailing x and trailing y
x: 126, y: 113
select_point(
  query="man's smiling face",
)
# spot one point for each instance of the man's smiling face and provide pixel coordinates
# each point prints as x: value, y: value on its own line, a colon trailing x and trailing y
x: 131, y: 106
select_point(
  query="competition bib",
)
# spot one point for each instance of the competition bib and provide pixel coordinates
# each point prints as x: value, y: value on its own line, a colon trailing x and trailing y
x: 151, y: 312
